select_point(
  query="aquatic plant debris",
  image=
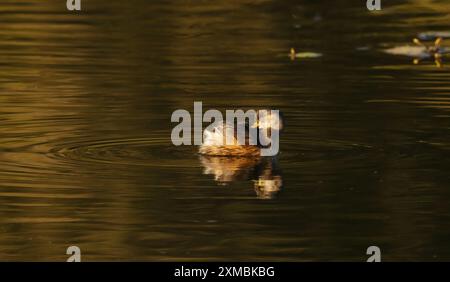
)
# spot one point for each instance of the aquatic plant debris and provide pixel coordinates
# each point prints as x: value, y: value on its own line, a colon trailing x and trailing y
x: 308, y: 55
x: 363, y: 48
x: 303, y: 55
x: 410, y: 51
x: 420, y: 50
x: 432, y: 35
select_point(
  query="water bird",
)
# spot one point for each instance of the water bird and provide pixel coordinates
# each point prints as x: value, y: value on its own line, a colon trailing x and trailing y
x: 222, y: 140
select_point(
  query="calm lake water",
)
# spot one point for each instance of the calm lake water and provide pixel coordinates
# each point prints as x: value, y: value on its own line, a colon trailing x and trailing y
x: 86, y: 157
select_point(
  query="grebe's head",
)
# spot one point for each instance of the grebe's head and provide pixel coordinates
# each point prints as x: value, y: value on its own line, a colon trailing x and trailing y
x: 267, y: 119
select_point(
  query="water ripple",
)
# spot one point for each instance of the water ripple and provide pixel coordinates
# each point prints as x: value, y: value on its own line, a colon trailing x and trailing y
x: 149, y: 152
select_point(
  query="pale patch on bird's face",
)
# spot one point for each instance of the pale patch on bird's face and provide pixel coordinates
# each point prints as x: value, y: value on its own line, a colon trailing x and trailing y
x: 219, y: 136
x: 268, y: 120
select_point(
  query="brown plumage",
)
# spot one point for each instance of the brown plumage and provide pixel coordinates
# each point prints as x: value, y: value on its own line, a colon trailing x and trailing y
x: 214, y: 139
x: 231, y: 150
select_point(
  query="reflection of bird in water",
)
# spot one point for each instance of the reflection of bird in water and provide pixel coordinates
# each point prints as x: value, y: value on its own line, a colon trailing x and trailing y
x: 269, y: 180
x: 228, y: 169
x: 264, y: 172
x: 222, y: 139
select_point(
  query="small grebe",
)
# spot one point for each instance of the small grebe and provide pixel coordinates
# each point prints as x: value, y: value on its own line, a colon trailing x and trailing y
x: 214, y: 140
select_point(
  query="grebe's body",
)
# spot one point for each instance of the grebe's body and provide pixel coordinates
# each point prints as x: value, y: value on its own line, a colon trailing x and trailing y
x: 214, y: 143
x: 231, y: 150
x: 222, y: 139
